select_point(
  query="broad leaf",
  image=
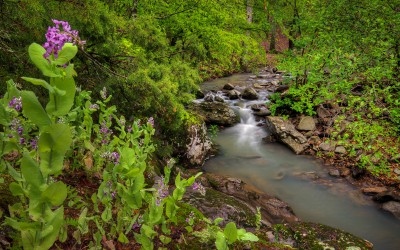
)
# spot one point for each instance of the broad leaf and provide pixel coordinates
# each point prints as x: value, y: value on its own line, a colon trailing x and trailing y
x: 39, y: 82
x: 4, y: 117
x: 16, y: 189
x: 67, y: 52
x: 220, y: 242
x: 55, y: 193
x: 36, y: 53
x: 249, y: 237
x: 33, y: 110
x: 31, y: 172
x: 122, y: 238
x: 54, y: 219
x: 62, y: 100
x: 230, y: 232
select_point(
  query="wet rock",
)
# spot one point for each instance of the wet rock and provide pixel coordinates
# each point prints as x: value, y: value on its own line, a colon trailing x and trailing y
x: 228, y: 86
x: 306, y: 123
x: 219, y: 99
x: 262, y: 112
x: 233, y: 94
x: 314, y: 140
x: 199, y: 94
x: 334, y: 173
x: 327, y: 146
x: 318, y: 236
x: 273, y: 210
x: 257, y: 86
x: 215, y: 113
x: 357, y: 172
x: 286, y: 133
x: 282, y: 88
x: 310, y: 175
x: 253, y: 77
x: 249, y: 94
x: 198, y: 146
x: 387, y: 196
x: 340, y: 150
x: 269, y: 139
x: 263, y: 75
x: 374, y: 190
x: 210, y: 96
x: 392, y: 207
x: 255, y: 107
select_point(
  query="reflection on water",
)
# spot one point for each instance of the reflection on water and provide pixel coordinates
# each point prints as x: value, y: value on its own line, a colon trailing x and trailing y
x: 295, y: 179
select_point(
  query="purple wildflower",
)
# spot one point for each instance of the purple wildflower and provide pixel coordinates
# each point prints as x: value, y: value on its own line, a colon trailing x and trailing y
x: 113, y: 194
x: 94, y: 106
x: 20, y: 130
x: 115, y: 157
x: 16, y: 103
x: 105, y: 132
x: 57, y: 38
x: 22, y: 141
x: 162, y: 190
x: 151, y: 121
x: 33, y: 144
x: 103, y: 93
x: 129, y: 129
x: 197, y: 186
x: 189, y: 219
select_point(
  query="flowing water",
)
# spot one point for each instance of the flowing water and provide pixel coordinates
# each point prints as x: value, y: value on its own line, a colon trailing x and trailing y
x: 299, y: 180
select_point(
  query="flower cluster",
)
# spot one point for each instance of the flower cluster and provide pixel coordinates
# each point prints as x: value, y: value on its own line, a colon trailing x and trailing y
x: 16, y: 103
x: 151, y: 121
x: 57, y: 38
x: 94, y: 106
x: 198, y: 187
x: 162, y: 190
x: 103, y: 93
x: 114, y: 157
x: 105, y: 132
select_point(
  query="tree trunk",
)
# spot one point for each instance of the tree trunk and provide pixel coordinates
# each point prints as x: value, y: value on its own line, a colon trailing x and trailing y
x: 272, y: 42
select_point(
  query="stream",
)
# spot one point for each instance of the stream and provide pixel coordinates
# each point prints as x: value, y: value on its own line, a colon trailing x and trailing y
x: 301, y: 181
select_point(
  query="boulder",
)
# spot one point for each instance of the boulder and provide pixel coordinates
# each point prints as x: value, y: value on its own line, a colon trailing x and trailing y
x: 199, y: 94
x: 286, y: 133
x: 327, y: 146
x: 249, y: 94
x: 262, y: 112
x: 198, y: 145
x: 209, y: 97
x: 272, y: 210
x: 306, y: 123
x: 219, y: 99
x: 228, y: 86
x: 215, y: 113
x: 340, y: 150
x: 334, y: 172
x: 233, y: 94
x: 392, y: 207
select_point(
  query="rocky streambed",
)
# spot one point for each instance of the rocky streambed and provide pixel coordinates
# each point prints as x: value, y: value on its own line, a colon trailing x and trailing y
x: 236, y: 103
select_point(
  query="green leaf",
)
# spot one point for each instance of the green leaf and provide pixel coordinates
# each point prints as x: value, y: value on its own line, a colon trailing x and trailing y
x: 107, y: 214
x: 230, y: 232
x: 218, y: 220
x: 39, y: 82
x: 60, y: 104
x: 16, y: 189
x: 54, y: 141
x: 67, y: 52
x: 164, y: 239
x: 4, y: 117
x: 148, y: 231
x: 249, y: 237
x: 56, y: 220
x: 33, y: 110
x: 122, y: 238
x: 220, y: 241
x: 31, y: 172
x: 36, y: 53
x: 55, y: 193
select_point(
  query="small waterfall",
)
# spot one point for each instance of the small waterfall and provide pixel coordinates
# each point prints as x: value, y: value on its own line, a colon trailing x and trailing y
x: 246, y: 117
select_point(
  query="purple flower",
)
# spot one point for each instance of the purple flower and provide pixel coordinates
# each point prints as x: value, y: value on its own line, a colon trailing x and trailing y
x: 34, y: 144
x: 94, y: 106
x: 105, y: 133
x: 16, y: 103
x: 103, y: 93
x: 115, y: 157
x: 162, y: 190
x: 197, y: 186
x: 21, y: 141
x: 57, y: 38
x: 129, y: 129
x: 151, y: 121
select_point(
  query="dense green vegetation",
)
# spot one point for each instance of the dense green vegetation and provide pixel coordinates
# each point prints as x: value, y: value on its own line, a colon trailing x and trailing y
x: 138, y: 69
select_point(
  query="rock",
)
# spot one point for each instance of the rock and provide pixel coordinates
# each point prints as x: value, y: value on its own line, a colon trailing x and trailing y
x: 199, y: 94
x: 209, y: 97
x: 286, y: 133
x: 397, y: 171
x: 249, y: 94
x: 340, y: 150
x: 314, y: 140
x: 374, y: 190
x: 198, y: 146
x: 310, y: 175
x: 282, y: 88
x: 392, y: 207
x: 345, y: 172
x: 253, y: 77
x: 357, y: 172
x: 327, y: 146
x: 334, y: 173
x: 272, y: 210
x: 269, y: 139
x: 306, y: 123
x: 228, y: 86
x: 255, y: 107
x: 263, y: 75
x: 233, y: 94
x: 215, y: 113
x: 262, y: 112
x: 257, y: 86
x: 323, y: 112
x: 219, y: 99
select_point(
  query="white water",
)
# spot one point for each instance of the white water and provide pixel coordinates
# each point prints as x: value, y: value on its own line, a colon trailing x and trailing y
x: 277, y: 171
